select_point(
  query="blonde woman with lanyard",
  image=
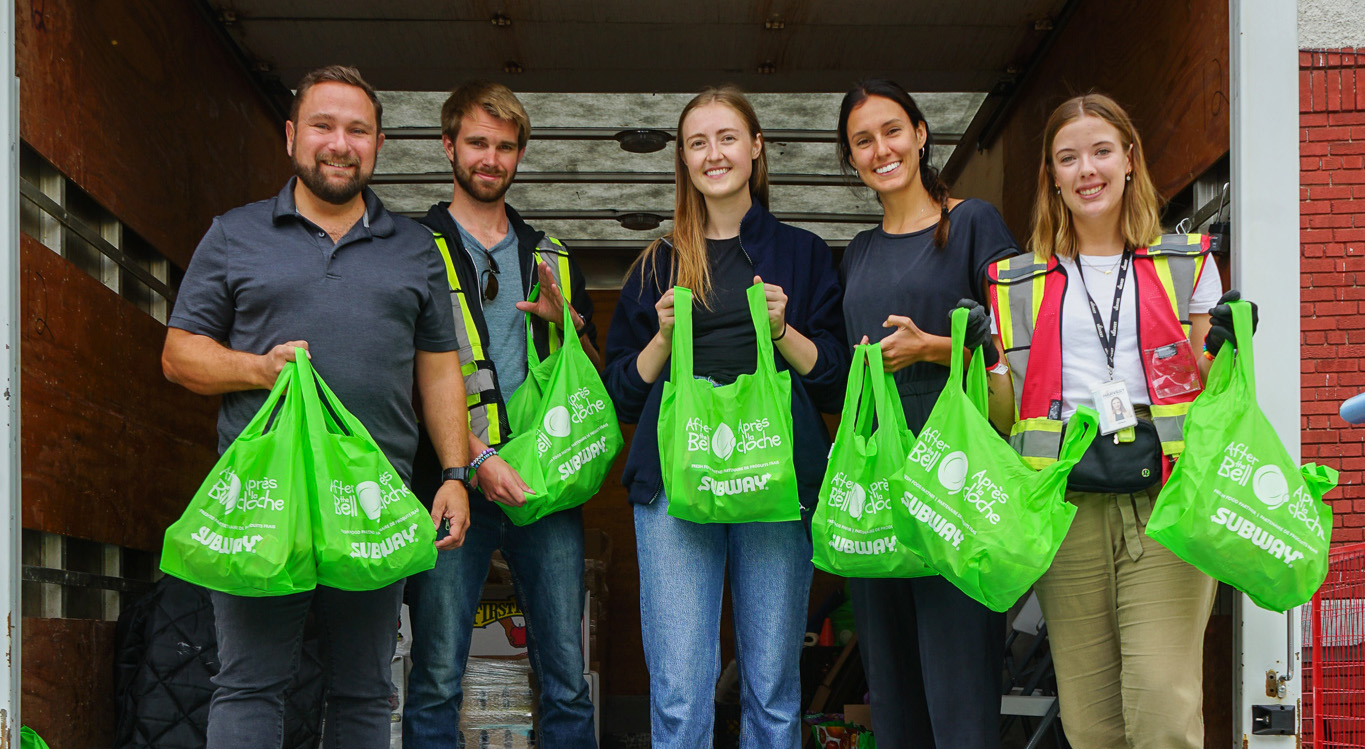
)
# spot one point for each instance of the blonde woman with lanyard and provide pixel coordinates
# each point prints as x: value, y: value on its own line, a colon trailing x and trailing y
x: 724, y: 240
x: 1125, y: 317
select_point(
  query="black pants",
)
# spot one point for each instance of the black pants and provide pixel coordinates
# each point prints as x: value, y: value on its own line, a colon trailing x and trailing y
x: 933, y: 659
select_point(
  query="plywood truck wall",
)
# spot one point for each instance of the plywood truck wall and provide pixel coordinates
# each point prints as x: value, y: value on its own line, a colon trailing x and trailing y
x: 141, y: 106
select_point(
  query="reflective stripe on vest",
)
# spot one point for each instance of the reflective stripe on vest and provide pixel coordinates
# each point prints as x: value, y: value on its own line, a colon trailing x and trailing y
x: 487, y: 418
x: 1026, y: 297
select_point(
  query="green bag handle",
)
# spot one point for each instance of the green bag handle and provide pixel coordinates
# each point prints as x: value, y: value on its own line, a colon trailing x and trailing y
x: 281, y: 389
x: 681, y: 363
x: 555, y: 333
x: 314, y: 392
x: 867, y: 378
x: 1081, y: 429
x: 1242, y: 330
x: 974, y: 383
x: 1320, y: 479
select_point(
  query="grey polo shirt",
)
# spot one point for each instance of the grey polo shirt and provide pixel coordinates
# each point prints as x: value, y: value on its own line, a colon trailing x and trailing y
x: 264, y: 275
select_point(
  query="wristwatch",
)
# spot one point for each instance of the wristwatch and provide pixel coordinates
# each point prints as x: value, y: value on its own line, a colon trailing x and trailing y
x: 458, y: 473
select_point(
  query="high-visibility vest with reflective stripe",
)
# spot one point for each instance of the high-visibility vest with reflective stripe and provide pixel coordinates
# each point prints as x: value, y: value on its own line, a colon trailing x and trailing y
x: 1026, y: 297
x: 487, y: 414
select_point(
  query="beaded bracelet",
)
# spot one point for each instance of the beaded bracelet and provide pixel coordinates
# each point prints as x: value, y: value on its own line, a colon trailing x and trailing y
x: 487, y: 453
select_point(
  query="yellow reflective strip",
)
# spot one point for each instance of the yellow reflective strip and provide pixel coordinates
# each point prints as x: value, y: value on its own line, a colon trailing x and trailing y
x: 471, y: 399
x: 1005, y: 322
x: 1037, y: 464
x: 494, y: 426
x: 470, y: 328
x: 469, y: 368
x: 1038, y: 424
x: 1170, y: 410
x: 564, y: 283
x: 1193, y: 239
x: 452, y: 277
x: 1163, y: 272
x: 1039, y: 284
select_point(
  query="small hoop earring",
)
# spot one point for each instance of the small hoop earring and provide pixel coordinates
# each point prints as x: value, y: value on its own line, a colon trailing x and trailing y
x: 921, y: 152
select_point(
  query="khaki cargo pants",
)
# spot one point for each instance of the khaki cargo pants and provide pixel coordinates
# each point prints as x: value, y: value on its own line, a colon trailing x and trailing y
x: 1125, y: 618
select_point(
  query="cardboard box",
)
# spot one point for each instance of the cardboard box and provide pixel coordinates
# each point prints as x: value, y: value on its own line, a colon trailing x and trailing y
x: 859, y: 714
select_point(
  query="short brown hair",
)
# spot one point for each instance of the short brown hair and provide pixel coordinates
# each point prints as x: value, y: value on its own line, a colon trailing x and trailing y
x: 495, y: 99
x: 336, y: 74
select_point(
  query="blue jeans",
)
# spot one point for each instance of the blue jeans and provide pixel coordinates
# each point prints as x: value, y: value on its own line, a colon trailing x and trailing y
x: 259, y: 641
x: 546, y: 560
x: 682, y: 575
x: 933, y: 659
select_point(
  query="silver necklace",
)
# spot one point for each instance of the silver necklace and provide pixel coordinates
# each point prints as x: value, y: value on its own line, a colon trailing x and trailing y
x: 1106, y: 271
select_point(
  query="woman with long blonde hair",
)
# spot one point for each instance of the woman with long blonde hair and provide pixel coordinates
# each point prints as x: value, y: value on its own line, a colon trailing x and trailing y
x: 1109, y: 313
x: 723, y: 241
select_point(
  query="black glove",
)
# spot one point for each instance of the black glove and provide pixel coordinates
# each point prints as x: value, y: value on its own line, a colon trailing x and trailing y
x: 979, y: 331
x: 1220, y: 319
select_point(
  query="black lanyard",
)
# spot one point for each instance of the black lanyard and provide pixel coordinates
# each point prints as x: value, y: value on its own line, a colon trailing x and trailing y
x: 1109, y: 339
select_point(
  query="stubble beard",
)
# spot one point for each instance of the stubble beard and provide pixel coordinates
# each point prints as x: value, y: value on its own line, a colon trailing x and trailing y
x: 478, y: 191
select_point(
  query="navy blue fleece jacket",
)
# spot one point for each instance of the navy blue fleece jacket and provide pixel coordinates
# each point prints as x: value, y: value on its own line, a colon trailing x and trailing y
x: 798, y: 261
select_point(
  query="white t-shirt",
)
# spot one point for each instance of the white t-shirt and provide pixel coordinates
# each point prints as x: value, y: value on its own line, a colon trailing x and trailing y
x: 1083, y: 361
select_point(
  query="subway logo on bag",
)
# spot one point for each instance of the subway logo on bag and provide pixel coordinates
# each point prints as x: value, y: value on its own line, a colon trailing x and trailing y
x: 731, y: 487
x: 884, y: 545
x: 1258, y: 536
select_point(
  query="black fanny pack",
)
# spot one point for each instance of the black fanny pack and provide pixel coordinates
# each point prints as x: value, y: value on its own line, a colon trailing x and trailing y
x: 1119, y: 467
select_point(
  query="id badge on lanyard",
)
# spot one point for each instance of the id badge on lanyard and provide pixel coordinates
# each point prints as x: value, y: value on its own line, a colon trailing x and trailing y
x: 1111, y: 399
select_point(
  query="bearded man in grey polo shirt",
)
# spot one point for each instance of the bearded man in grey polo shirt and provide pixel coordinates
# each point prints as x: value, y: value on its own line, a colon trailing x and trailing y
x: 323, y: 267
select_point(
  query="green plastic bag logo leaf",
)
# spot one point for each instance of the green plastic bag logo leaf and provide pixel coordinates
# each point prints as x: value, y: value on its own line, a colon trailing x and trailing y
x: 952, y: 472
x: 858, y: 500
x: 371, y: 499
x: 557, y: 422
x: 723, y: 442
x: 228, y: 491
x: 1270, y: 487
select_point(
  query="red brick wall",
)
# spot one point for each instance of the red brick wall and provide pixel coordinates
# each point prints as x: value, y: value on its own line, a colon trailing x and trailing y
x: 1332, y: 271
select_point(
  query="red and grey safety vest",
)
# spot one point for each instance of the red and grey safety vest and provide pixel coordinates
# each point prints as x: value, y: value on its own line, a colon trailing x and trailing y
x: 1026, y: 295
x: 487, y: 412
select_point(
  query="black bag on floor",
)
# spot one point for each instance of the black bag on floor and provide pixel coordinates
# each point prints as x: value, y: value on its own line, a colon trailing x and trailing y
x: 166, y: 654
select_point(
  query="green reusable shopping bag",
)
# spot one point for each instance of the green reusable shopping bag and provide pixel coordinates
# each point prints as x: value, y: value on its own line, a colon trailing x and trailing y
x: 566, y: 433
x: 851, y: 528
x: 369, y: 530
x: 1236, y: 506
x: 972, y: 509
x: 726, y: 451
x: 247, y: 531
x: 29, y: 739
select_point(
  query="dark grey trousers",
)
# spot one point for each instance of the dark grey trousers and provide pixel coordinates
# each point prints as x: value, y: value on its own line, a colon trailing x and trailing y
x: 933, y: 659
x: 259, y: 642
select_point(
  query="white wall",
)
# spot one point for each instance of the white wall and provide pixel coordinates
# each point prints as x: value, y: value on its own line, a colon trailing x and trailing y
x: 1331, y: 24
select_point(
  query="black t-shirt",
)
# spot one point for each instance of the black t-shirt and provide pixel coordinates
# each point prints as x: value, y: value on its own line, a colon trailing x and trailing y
x: 905, y: 274
x: 723, y: 340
